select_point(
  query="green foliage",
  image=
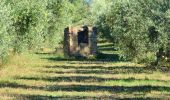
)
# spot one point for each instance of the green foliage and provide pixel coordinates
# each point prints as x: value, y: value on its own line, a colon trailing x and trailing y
x: 97, y: 9
x: 58, y: 19
x: 138, y: 28
x: 30, y: 18
x: 62, y: 14
x: 5, y: 29
x: 29, y: 25
x: 80, y: 13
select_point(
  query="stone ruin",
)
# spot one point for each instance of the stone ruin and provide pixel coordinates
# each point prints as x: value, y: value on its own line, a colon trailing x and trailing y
x: 80, y: 41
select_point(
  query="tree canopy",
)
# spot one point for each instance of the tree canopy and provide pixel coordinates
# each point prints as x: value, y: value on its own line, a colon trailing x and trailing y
x: 137, y: 28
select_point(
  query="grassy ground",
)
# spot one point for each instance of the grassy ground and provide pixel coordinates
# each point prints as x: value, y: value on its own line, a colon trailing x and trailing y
x: 47, y: 76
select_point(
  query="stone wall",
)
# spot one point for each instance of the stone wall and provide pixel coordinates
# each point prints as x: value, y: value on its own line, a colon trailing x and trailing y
x: 71, y: 46
x: 93, y: 41
x: 66, y: 45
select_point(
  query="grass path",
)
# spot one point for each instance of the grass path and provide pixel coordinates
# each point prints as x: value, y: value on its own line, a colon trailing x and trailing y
x: 49, y: 76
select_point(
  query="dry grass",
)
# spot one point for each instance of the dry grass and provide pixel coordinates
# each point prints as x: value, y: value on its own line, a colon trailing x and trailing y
x: 48, y: 76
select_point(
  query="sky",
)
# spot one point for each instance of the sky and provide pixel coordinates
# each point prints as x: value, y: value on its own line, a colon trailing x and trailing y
x: 89, y: 1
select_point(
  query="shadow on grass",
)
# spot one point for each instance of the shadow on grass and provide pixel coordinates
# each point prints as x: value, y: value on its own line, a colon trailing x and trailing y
x: 97, y: 70
x: 41, y: 97
x: 40, y: 53
x: 107, y: 49
x: 83, y: 88
x: 100, y: 57
x: 111, y: 89
x: 85, y: 79
x: 7, y: 84
x: 108, y: 57
x: 10, y: 84
x: 88, y: 88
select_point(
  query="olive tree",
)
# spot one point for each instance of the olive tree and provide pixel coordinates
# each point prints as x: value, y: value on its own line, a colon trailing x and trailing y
x: 138, y: 28
x: 29, y: 19
x: 5, y: 29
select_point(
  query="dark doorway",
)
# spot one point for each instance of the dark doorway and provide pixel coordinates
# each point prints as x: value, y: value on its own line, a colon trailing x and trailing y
x: 83, y: 36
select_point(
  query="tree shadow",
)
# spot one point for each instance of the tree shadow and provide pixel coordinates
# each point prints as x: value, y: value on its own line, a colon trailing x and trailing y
x: 10, y: 84
x: 67, y: 79
x: 108, y: 57
x: 42, y: 53
x: 82, y: 88
x: 107, y: 49
x: 98, y: 70
x: 7, y: 84
x: 111, y: 89
x: 100, y: 57
x: 101, y: 72
x: 41, y: 97
x: 90, y: 88
x: 84, y: 79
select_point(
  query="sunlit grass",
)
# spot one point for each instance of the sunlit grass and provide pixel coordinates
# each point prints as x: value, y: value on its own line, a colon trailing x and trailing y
x: 49, y: 76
